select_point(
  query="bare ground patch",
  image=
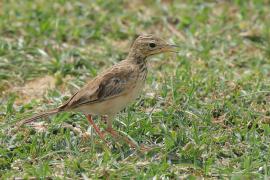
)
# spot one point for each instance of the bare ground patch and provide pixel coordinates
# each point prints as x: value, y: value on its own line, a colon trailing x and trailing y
x: 33, y: 89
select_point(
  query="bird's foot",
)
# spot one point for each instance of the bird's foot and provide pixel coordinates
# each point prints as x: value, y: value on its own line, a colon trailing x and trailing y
x: 85, y: 136
x: 144, y: 148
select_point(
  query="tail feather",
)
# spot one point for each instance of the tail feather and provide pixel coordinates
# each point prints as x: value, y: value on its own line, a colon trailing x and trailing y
x: 38, y: 116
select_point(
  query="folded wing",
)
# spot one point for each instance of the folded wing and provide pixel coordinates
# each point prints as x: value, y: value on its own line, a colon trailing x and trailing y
x: 113, y: 83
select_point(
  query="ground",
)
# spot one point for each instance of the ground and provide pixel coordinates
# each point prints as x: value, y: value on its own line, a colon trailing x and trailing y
x: 205, y: 110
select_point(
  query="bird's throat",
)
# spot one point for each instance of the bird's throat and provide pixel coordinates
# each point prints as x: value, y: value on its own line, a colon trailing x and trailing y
x: 142, y: 65
x: 140, y: 61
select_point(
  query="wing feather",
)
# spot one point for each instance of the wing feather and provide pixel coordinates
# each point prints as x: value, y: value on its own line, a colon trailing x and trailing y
x: 115, y: 82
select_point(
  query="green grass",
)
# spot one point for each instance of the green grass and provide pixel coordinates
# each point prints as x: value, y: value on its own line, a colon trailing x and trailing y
x: 206, y: 108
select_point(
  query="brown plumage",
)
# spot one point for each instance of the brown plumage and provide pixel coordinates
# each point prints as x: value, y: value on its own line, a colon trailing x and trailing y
x: 115, y: 88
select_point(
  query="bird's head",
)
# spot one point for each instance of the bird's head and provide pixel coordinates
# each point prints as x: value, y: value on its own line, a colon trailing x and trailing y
x: 147, y: 45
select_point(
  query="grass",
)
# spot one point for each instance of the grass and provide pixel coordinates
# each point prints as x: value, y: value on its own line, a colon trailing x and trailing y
x: 206, y: 108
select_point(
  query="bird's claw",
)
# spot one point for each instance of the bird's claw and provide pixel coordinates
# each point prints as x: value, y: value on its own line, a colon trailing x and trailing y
x: 85, y: 136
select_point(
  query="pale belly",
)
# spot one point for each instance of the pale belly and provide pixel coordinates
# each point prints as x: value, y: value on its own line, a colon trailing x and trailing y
x: 113, y: 105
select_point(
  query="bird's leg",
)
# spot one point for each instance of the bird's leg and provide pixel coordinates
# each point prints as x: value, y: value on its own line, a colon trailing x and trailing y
x: 115, y: 134
x: 101, y: 135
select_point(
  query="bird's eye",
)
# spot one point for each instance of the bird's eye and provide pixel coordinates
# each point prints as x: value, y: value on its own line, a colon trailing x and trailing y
x: 152, y: 45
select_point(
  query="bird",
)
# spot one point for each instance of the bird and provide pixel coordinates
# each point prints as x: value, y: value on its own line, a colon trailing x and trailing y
x: 115, y: 88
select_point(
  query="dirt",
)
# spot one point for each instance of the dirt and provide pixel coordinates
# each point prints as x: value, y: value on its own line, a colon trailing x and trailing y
x: 33, y: 89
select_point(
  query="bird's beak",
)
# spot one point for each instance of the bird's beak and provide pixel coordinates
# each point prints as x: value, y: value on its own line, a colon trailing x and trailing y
x: 171, y: 48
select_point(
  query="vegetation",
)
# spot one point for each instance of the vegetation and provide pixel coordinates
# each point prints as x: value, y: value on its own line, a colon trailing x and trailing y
x: 205, y: 110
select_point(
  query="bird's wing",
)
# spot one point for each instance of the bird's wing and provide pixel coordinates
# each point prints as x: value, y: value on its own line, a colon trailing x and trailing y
x: 114, y: 82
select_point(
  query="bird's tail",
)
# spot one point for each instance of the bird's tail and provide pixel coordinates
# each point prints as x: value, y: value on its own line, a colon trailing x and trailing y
x: 40, y: 115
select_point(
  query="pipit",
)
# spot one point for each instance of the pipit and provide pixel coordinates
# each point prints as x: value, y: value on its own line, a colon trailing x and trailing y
x: 111, y: 91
